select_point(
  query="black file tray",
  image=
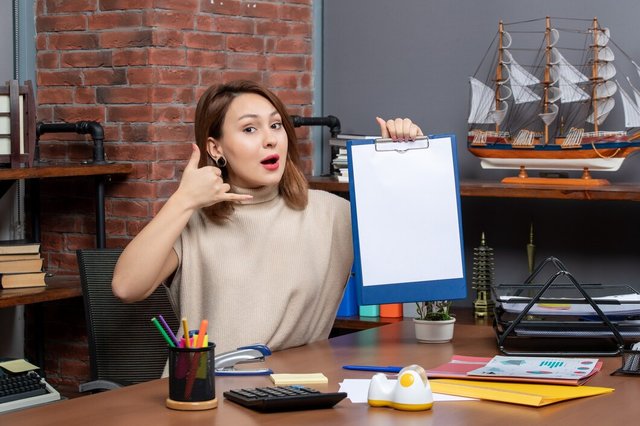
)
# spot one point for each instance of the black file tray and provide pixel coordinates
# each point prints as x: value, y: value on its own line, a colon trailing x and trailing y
x: 583, y: 329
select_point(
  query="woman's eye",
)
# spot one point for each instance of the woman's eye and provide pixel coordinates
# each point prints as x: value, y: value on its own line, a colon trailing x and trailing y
x: 276, y: 126
x: 249, y: 129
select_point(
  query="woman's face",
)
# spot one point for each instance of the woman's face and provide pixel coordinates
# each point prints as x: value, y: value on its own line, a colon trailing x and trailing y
x: 253, y: 141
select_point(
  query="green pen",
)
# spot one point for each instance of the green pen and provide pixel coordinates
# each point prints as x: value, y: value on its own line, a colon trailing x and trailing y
x: 164, y: 333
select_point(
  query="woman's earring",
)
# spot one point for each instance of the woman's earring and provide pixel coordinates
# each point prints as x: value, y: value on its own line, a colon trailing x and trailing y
x: 221, y: 162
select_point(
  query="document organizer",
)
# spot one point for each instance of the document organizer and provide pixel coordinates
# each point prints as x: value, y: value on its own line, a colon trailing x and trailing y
x: 562, y: 319
x: 405, y: 210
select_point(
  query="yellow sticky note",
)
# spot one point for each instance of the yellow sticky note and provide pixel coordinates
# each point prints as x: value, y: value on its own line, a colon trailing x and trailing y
x: 18, y: 366
x: 299, y: 379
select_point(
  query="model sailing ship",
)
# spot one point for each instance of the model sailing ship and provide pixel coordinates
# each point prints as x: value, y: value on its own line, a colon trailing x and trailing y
x: 550, y: 115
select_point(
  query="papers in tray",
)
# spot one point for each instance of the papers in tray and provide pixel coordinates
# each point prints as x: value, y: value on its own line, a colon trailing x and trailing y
x: 460, y: 367
x: 620, y: 304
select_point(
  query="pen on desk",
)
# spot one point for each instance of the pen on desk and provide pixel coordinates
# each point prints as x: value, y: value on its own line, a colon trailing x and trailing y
x: 164, y: 333
x: 187, y: 343
x: 169, y: 331
x: 378, y: 368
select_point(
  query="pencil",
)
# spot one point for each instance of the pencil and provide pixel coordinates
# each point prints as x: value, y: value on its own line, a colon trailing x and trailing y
x: 187, y: 343
x: 164, y: 333
x: 173, y: 337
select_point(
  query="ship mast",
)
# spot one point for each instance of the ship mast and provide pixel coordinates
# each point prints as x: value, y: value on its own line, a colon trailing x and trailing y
x: 594, y: 77
x: 547, y: 76
x: 499, y: 69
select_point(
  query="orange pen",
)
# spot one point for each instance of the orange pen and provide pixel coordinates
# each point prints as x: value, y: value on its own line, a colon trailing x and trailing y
x: 201, y: 332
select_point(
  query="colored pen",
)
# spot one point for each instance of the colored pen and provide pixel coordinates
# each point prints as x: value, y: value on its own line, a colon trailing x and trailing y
x: 381, y: 369
x: 187, y: 343
x: 164, y: 333
x: 169, y: 331
x: 201, y: 333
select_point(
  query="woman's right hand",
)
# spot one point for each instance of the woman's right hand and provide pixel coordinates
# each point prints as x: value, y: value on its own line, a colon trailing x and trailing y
x: 203, y: 187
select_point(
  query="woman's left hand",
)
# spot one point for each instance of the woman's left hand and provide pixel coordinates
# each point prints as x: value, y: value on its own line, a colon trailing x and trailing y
x: 399, y: 129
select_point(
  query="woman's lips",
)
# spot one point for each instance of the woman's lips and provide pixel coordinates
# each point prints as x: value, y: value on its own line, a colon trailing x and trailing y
x: 271, y: 162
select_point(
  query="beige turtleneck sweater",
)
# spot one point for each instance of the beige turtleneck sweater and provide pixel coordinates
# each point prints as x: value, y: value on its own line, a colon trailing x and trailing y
x: 270, y: 274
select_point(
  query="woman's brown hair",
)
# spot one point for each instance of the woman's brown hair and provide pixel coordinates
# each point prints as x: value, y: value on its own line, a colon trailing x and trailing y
x: 210, y: 114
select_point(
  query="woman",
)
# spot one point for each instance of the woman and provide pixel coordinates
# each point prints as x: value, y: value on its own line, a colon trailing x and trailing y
x: 246, y: 244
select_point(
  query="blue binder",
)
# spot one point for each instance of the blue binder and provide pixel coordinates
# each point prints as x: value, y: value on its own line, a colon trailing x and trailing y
x: 406, y: 220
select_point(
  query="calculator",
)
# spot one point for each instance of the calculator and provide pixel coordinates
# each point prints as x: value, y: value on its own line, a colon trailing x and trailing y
x: 284, y: 398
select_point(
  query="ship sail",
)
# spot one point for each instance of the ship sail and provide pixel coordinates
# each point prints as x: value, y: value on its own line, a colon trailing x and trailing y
x: 568, y: 78
x: 631, y: 110
x: 483, y: 108
x: 520, y: 80
x: 604, y: 71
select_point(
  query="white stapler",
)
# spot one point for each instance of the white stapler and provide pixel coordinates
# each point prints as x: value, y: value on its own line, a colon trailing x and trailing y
x: 225, y: 363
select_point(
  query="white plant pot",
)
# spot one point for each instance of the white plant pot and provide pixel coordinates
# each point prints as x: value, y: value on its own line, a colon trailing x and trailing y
x: 434, y: 331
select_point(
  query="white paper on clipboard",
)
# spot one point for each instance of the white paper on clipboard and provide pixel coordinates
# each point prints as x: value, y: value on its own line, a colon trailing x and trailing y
x: 406, y: 214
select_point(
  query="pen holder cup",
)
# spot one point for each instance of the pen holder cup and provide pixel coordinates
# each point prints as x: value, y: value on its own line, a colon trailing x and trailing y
x: 630, y: 363
x: 191, y: 378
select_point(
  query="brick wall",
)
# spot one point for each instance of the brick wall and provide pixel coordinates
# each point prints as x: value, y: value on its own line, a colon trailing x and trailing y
x: 138, y: 68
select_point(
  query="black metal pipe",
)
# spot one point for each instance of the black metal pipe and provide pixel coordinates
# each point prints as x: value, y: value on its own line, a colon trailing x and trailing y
x: 331, y: 121
x: 82, y: 128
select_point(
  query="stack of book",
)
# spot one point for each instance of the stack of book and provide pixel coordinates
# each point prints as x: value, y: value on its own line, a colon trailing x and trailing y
x: 339, y: 162
x: 21, y: 265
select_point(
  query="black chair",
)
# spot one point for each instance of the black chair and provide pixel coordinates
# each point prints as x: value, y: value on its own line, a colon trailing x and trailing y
x: 124, y: 346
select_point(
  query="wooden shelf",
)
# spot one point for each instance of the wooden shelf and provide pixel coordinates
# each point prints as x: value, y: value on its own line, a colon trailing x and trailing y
x: 57, y: 288
x: 618, y: 191
x: 50, y: 170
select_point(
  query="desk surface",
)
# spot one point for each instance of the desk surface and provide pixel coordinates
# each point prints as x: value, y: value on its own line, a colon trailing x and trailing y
x: 389, y: 344
x: 49, y: 170
x: 57, y: 288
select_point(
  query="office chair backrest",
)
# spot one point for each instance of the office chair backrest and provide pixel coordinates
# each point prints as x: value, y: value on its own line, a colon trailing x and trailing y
x: 124, y: 345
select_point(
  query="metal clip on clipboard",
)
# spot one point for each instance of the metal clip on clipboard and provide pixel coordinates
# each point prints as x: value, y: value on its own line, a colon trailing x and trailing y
x: 226, y: 362
x: 388, y: 144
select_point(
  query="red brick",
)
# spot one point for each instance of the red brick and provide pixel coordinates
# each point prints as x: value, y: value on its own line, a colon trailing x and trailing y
x: 167, y: 114
x: 105, y: 76
x: 243, y: 43
x: 159, y: 56
x: 72, y: 41
x: 125, y: 4
x: 135, y: 132
x: 179, y: 152
x: 280, y: 28
x: 227, y: 7
x: 163, y: 95
x: 79, y: 241
x: 75, y: 22
x: 201, y: 58
x: 166, y: 189
x: 62, y: 6
x: 179, y: 76
x: 229, y: 25
x: 295, y: 96
x: 114, y: 20
x: 128, y: 208
x: 85, y: 95
x: 188, y: 5
x: 240, y: 75
x: 59, y: 78
x: 86, y: 59
x: 207, y: 78
x: 168, y: 38
x: 140, y: 151
x: 173, y: 133
x: 248, y: 62
x: 283, y: 80
x: 70, y: 114
x: 48, y: 60
x: 142, y: 75
x: 124, y: 39
x: 115, y: 227
x: 169, y: 19
x: 134, y: 227
x: 156, y: 206
x: 162, y: 171
x: 286, y: 63
x: 261, y: 10
x: 204, y: 41
x: 137, y: 56
x: 57, y: 95
x: 130, y: 113
x: 291, y: 45
x: 122, y: 95
x: 294, y: 13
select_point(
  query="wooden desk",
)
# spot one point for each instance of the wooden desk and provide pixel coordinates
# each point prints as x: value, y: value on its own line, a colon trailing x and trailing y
x: 389, y: 344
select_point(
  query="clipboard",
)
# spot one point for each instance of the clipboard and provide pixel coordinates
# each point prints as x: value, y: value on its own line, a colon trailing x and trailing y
x: 406, y: 220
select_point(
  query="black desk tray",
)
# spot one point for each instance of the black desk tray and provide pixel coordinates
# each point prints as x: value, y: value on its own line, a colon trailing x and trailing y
x: 564, y: 319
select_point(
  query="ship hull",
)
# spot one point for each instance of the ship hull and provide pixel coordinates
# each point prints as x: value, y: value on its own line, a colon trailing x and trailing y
x: 605, y: 157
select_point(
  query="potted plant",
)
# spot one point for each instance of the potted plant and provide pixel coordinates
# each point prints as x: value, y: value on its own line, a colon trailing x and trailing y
x: 434, y: 323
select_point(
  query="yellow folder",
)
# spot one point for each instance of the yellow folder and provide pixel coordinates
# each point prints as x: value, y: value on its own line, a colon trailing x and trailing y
x: 516, y: 393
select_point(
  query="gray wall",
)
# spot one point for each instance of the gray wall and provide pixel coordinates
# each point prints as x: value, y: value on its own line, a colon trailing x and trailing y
x: 414, y: 57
